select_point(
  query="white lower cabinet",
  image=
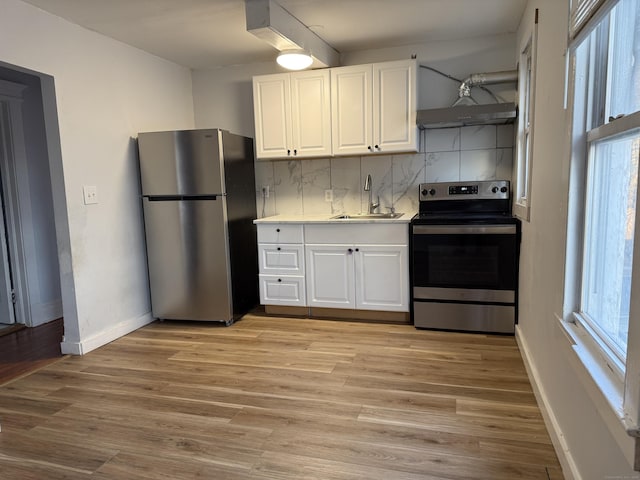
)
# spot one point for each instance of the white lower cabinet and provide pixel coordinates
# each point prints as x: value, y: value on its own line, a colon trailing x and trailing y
x: 282, y: 290
x: 358, y: 275
x: 382, y: 275
x: 366, y: 277
x: 330, y: 276
x: 281, y: 265
x: 344, y: 266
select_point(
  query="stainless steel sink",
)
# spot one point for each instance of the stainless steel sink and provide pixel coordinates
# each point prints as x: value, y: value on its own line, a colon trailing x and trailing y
x: 366, y: 216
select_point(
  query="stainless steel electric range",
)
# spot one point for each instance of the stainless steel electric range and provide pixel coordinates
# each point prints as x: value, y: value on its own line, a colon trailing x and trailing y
x: 465, y: 248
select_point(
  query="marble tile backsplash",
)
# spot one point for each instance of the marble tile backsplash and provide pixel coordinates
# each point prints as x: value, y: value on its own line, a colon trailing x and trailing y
x: 449, y: 154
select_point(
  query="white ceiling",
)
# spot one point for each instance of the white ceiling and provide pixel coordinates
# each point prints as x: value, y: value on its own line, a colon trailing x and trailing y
x: 212, y: 33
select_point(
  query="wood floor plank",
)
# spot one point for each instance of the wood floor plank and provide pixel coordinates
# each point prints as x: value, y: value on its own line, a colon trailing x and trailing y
x: 286, y: 466
x: 503, y: 429
x: 28, y: 469
x: 279, y: 398
x: 408, y: 460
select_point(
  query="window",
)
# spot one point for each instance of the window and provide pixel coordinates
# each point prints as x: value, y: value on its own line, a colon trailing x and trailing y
x: 526, y: 76
x: 606, y: 148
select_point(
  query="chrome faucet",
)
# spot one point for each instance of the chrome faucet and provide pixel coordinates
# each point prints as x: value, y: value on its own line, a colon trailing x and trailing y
x: 367, y: 188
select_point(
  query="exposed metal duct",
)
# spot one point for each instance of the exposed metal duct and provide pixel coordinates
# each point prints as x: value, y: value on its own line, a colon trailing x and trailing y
x: 268, y: 21
x: 464, y: 90
x: 466, y: 111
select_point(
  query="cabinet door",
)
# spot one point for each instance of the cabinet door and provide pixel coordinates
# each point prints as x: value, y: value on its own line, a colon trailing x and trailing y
x: 351, y: 101
x: 311, y: 113
x: 330, y: 276
x: 272, y: 114
x: 382, y: 277
x: 394, y: 107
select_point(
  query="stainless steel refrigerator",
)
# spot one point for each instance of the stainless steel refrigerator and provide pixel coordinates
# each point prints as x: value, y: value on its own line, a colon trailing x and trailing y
x: 198, y: 197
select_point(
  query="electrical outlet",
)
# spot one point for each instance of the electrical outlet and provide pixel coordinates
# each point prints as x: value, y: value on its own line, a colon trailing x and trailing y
x: 328, y: 195
x: 265, y: 191
x: 90, y: 193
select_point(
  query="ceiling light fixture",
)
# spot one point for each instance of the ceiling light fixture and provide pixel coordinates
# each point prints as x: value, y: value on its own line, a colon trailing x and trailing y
x: 294, y: 59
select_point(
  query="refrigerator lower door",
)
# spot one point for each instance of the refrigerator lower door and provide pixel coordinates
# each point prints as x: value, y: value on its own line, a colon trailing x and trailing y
x: 188, y: 259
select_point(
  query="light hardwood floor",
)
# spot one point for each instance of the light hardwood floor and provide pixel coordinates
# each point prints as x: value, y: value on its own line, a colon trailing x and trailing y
x: 279, y: 398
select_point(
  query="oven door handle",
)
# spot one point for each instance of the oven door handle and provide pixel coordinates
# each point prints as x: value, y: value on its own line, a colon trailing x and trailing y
x: 464, y: 229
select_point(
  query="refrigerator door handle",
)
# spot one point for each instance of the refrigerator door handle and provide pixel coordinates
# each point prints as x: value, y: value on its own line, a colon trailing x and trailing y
x: 173, y: 198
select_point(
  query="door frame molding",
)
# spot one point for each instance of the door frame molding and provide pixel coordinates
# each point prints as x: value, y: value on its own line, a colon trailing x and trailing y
x: 15, y: 182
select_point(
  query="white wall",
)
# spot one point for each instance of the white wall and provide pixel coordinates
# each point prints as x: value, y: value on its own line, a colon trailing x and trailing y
x: 223, y: 98
x: 106, y: 92
x: 578, y: 420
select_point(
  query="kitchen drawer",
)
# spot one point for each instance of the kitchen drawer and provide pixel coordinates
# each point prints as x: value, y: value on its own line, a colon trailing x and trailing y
x: 281, y: 259
x: 282, y: 290
x: 280, y: 233
x: 380, y: 234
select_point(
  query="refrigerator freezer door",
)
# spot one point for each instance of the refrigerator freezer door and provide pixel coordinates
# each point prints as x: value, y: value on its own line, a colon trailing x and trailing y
x: 185, y: 162
x: 188, y: 259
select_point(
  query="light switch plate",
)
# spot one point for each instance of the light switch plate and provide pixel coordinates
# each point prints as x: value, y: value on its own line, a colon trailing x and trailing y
x: 328, y: 195
x: 90, y: 193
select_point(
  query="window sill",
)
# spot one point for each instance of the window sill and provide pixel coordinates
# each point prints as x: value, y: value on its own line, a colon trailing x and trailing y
x: 521, y: 210
x: 604, y: 386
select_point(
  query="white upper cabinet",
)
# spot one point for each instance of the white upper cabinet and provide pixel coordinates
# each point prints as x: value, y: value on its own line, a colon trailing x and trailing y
x: 272, y: 115
x: 352, y: 110
x: 311, y: 113
x: 374, y: 108
x: 394, y: 107
x: 351, y: 107
x: 292, y: 113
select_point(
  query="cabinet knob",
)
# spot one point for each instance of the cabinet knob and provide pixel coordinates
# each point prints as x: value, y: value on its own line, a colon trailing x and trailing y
x: 278, y: 248
x: 370, y: 148
x: 278, y: 230
x: 288, y: 152
x: 350, y: 250
x: 295, y: 152
x: 279, y: 280
x: 377, y: 147
x: 357, y: 249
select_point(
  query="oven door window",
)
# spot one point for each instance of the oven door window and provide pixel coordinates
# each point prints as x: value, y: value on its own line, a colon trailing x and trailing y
x: 484, y: 261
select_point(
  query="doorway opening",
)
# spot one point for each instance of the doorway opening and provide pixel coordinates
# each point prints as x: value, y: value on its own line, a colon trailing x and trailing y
x: 33, y: 219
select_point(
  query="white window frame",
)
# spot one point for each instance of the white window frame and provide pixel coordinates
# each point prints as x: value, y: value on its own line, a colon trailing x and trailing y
x: 526, y: 106
x: 584, y: 138
x: 612, y: 381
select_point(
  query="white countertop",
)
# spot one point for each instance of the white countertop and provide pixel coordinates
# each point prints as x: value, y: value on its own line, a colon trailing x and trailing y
x: 326, y: 218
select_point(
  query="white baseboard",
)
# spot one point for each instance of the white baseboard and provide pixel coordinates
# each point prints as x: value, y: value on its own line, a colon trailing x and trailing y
x: 569, y: 467
x: 106, y: 336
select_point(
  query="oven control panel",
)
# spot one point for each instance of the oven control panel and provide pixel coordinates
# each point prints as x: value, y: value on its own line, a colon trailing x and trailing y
x: 483, y: 190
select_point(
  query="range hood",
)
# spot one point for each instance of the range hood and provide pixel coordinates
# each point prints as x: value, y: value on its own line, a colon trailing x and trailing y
x: 461, y: 115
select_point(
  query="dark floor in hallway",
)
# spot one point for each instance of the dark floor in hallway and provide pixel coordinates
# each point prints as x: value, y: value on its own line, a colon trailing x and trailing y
x: 27, y: 349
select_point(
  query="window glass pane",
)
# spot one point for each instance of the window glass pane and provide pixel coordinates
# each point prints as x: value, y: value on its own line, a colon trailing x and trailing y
x: 624, y: 56
x: 609, y: 231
